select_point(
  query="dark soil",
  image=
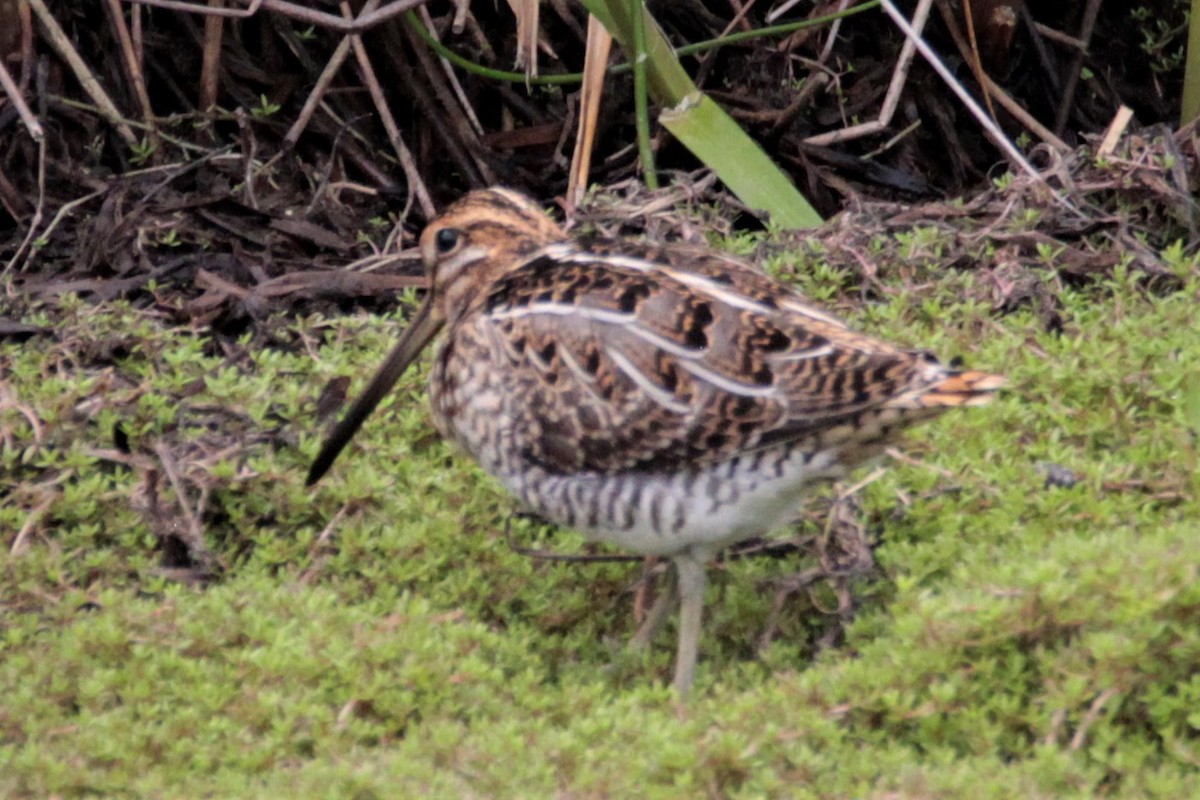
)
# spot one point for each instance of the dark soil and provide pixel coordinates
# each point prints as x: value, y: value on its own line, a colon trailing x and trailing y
x: 221, y: 218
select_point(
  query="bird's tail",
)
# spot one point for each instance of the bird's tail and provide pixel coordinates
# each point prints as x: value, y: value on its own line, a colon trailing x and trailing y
x: 969, y: 388
x: 942, y: 389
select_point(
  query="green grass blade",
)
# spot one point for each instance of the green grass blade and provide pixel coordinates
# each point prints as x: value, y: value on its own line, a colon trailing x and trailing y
x: 702, y: 126
x: 641, y: 99
x: 712, y: 135
x: 1191, y: 73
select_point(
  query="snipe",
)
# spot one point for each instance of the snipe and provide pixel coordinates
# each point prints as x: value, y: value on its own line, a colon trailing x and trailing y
x: 668, y: 399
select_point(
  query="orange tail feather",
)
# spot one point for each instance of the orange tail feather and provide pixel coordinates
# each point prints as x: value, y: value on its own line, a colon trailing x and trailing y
x: 970, y: 388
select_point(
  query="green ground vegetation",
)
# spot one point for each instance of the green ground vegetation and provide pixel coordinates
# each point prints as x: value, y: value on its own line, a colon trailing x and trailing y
x: 377, y: 636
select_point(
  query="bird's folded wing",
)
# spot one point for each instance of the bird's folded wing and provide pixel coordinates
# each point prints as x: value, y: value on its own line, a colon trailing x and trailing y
x: 655, y: 359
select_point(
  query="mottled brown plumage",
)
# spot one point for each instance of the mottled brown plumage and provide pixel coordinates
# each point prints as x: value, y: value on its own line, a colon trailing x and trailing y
x: 669, y: 399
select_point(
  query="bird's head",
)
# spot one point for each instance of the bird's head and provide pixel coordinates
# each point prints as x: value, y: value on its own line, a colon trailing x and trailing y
x: 469, y: 247
x: 476, y: 241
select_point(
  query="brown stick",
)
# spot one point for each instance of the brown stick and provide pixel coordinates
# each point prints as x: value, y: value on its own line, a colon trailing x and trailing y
x: 461, y: 136
x: 14, y: 94
x: 210, y: 65
x: 1086, y: 28
x: 318, y: 91
x: 976, y: 61
x: 130, y: 60
x: 61, y: 43
x: 362, y: 22
x: 993, y: 90
x: 595, y: 62
x: 415, y: 182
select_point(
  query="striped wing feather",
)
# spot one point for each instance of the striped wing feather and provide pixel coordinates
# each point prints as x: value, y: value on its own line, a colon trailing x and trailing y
x: 641, y: 365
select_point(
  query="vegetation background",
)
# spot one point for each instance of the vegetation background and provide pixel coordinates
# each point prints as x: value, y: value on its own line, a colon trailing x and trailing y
x: 203, y: 258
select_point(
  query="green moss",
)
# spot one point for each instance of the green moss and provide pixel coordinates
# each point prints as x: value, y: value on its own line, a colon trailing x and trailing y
x: 376, y: 637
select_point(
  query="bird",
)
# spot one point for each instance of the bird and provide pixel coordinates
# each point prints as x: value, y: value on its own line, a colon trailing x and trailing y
x: 669, y: 399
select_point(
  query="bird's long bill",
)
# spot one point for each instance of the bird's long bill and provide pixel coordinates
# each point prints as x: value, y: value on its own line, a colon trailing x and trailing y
x: 422, y: 328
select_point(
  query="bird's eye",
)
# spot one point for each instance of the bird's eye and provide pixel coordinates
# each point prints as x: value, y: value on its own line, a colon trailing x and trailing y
x: 447, y: 240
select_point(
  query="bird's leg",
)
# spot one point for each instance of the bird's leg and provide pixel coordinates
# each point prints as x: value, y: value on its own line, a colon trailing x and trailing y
x: 657, y: 614
x: 691, y: 577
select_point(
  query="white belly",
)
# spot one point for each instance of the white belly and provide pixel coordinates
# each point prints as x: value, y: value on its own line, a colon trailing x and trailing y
x: 655, y: 514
